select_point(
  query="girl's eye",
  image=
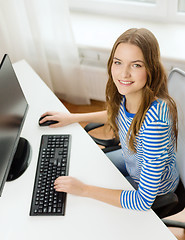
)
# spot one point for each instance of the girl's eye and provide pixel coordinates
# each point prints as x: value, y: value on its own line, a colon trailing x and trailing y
x: 136, y: 65
x: 117, y: 62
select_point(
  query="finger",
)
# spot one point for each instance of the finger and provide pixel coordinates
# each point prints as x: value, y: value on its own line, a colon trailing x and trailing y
x: 44, y: 114
x: 55, y: 125
x: 43, y: 120
x: 58, y: 180
x: 47, y: 118
x: 48, y: 113
x: 60, y: 189
x: 62, y: 181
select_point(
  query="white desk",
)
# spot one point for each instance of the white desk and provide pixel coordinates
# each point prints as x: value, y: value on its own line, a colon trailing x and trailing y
x: 85, y: 218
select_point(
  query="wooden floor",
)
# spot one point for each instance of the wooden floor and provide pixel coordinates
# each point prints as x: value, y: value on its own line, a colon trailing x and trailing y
x: 103, y: 133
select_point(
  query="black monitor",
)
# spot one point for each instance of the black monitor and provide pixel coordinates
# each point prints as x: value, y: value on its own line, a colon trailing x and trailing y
x: 14, y: 150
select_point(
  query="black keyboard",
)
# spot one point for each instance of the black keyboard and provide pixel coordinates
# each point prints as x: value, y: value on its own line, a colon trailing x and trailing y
x: 53, y: 162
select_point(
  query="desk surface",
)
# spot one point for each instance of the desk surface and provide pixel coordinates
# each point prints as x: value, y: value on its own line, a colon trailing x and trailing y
x: 85, y: 218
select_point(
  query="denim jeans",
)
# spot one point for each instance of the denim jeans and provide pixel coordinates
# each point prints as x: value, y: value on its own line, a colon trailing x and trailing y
x: 117, y: 159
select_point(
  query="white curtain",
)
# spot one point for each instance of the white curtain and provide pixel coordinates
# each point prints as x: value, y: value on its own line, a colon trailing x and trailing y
x: 40, y: 32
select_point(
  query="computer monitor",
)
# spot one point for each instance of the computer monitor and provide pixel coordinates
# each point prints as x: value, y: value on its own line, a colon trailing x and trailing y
x: 14, y: 150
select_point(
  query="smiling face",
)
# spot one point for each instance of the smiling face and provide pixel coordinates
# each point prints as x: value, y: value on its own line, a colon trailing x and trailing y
x: 128, y: 71
x: 134, y: 70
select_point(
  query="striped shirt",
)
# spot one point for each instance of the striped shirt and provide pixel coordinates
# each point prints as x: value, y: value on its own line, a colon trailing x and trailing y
x: 153, y: 166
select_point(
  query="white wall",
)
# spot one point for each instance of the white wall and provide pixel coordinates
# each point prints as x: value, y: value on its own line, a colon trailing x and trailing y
x: 95, y: 35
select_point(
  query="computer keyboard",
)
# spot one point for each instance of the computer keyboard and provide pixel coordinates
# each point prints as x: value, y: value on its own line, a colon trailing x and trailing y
x: 53, y: 161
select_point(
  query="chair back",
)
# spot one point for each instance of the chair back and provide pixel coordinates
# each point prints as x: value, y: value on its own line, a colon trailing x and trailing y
x: 176, y: 86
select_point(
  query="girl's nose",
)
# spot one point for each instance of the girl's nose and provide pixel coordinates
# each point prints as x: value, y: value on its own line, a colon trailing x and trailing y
x: 125, y: 72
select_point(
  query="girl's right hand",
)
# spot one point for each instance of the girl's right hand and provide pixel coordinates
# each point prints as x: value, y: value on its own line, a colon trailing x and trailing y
x: 62, y: 118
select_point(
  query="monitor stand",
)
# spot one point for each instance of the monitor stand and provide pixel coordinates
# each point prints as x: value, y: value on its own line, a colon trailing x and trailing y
x: 20, y: 161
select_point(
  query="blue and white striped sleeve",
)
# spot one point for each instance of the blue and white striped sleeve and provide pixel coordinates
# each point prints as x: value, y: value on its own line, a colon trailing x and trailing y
x: 155, y: 143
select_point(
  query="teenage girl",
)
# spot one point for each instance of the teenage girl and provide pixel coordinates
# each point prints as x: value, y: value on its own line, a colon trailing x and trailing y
x: 143, y: 115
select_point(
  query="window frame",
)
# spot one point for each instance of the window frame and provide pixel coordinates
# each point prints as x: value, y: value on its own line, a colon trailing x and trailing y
x: 174, y: 13
x: 162, y: 10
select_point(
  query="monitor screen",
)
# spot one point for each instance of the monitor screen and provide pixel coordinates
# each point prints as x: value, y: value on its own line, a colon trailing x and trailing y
x: 13, y: 109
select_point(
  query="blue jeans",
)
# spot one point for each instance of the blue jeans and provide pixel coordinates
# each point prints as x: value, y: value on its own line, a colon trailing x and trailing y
x: 117, y: 159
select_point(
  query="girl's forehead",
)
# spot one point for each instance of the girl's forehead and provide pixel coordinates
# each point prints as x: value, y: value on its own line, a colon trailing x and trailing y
x: 128, y: 51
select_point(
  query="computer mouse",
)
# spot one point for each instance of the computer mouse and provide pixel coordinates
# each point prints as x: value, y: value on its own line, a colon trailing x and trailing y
x: 46, y: 123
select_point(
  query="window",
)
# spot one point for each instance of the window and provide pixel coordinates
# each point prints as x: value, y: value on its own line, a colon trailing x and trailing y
x: 155, y: 10
x: 146, y: 1
x: 181, y: 6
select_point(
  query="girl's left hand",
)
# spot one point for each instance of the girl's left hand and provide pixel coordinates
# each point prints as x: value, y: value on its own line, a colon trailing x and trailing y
x: 69, y: 185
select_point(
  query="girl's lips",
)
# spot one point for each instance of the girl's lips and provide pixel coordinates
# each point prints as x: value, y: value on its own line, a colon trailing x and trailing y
x: 125, y: 82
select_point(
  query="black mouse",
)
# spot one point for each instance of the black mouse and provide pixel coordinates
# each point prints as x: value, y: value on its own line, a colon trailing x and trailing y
x: 46, y: 123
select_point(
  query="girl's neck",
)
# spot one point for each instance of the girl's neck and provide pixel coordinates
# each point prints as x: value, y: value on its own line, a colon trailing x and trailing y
x: 132, y: 104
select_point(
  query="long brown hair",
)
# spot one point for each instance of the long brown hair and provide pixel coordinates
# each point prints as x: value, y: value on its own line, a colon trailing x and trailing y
x: 156, y: 85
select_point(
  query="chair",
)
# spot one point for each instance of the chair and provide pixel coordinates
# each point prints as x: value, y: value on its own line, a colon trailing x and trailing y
x: 107, y: 144
x: 170, y: 203
x: 176, y: 86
